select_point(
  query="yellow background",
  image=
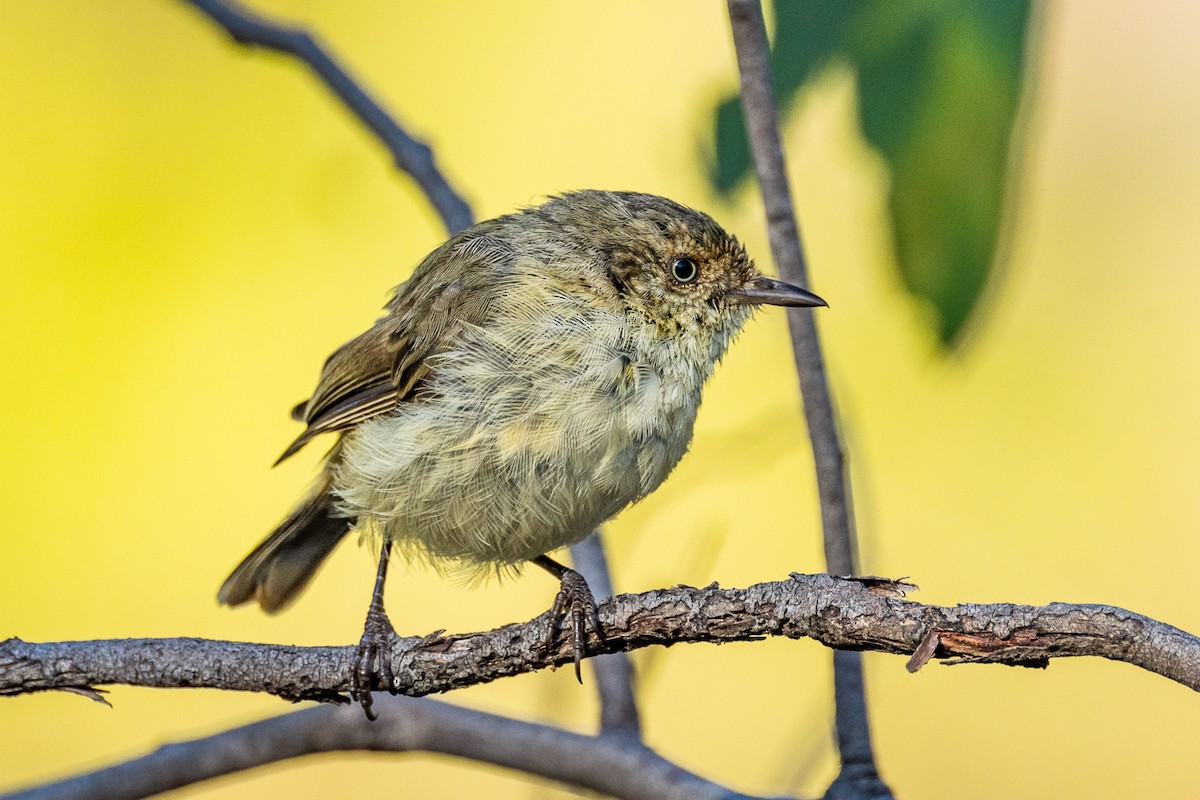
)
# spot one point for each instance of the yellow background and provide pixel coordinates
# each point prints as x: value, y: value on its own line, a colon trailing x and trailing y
x: 187, y: 229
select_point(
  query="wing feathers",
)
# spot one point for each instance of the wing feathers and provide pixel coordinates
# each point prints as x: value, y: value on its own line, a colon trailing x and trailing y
x: 369, y: 375
x: 377, y: 399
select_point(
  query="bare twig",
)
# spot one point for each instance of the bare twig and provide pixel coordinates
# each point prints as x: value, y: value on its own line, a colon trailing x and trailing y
x: 754, y: 65
x: 614, y: 671
x: 837, y: 516
x: 410, y: 154
x: 846, y: 614
x: 619, y: 767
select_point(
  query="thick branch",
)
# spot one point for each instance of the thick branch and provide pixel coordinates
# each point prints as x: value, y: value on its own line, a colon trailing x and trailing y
x: 846, y: 614
x: 618, y: 767
x: 411, y: 155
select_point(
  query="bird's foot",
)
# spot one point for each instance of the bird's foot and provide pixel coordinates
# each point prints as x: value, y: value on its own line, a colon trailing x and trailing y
x: 575, y: 604
x: 372, y: 667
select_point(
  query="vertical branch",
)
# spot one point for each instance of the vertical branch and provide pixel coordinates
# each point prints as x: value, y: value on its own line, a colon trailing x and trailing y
x: 762, y: 126
x: 858, y: 777
x: 614, y: 672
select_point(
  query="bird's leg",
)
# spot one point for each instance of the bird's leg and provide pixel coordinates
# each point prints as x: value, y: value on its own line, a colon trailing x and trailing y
x: 574, y: 602
x: 372, y: 666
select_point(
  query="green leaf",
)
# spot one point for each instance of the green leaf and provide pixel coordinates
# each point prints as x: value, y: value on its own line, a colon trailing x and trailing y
x: 807, y: 37
x: 938, y: 85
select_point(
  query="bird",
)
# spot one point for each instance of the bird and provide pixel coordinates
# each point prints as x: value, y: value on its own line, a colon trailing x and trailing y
x: 537, y: 373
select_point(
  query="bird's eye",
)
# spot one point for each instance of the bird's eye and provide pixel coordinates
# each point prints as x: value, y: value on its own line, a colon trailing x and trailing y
x: 684, y: 270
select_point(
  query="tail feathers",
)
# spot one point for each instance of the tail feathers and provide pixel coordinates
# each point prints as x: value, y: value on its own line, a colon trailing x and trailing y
x: 280, y: 567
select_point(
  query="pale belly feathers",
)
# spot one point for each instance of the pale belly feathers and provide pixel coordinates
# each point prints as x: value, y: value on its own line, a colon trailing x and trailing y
x: 525, y: 440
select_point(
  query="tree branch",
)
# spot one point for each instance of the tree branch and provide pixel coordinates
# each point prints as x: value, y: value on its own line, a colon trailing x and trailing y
x: 410, y: 155
x: 762, y: 126
x: 614, y: 671
x: 858, y: 777
x: 842, y: 613
x: 619, y: 767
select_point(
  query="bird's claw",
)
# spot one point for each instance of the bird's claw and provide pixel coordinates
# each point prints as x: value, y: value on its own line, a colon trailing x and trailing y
x: 372, y: 667
x: 575, y: 604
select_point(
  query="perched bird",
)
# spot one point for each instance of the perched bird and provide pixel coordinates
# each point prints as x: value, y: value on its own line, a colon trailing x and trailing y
x: 538, y: 373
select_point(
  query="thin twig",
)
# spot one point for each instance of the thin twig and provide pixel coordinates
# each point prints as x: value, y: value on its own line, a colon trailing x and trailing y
x: 618, y: 767
x: 837, y: 515
x: 842, y: 613
x: 410, y: 154
x: 614, y: 671
x: 754, y: 64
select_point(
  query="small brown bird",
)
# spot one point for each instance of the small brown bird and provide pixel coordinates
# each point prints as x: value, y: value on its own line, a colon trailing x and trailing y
x: 538, y: 373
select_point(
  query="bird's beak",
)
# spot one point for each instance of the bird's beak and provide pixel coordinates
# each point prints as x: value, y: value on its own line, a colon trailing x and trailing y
x: 763, y: 290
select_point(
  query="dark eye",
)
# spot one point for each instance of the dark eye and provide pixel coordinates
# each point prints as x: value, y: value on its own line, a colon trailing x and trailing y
x: 684, y: 270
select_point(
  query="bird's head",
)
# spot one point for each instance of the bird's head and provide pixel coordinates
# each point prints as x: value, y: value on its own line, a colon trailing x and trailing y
x: 673, y: 265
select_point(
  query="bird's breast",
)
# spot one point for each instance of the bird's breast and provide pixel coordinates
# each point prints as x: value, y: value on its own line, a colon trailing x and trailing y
x: 534, y: 429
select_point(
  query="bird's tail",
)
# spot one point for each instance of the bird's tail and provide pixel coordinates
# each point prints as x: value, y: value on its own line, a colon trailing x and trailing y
x: 280, y: 567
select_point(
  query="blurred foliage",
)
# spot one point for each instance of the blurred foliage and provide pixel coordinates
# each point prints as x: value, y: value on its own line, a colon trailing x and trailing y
x: 938, y: 85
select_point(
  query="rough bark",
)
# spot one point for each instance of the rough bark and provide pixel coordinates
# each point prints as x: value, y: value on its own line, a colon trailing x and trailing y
x: 841, y: 613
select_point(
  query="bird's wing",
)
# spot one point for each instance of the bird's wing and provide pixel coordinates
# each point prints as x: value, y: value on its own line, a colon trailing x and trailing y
x: 356, y: 383
x: 371, y: 374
